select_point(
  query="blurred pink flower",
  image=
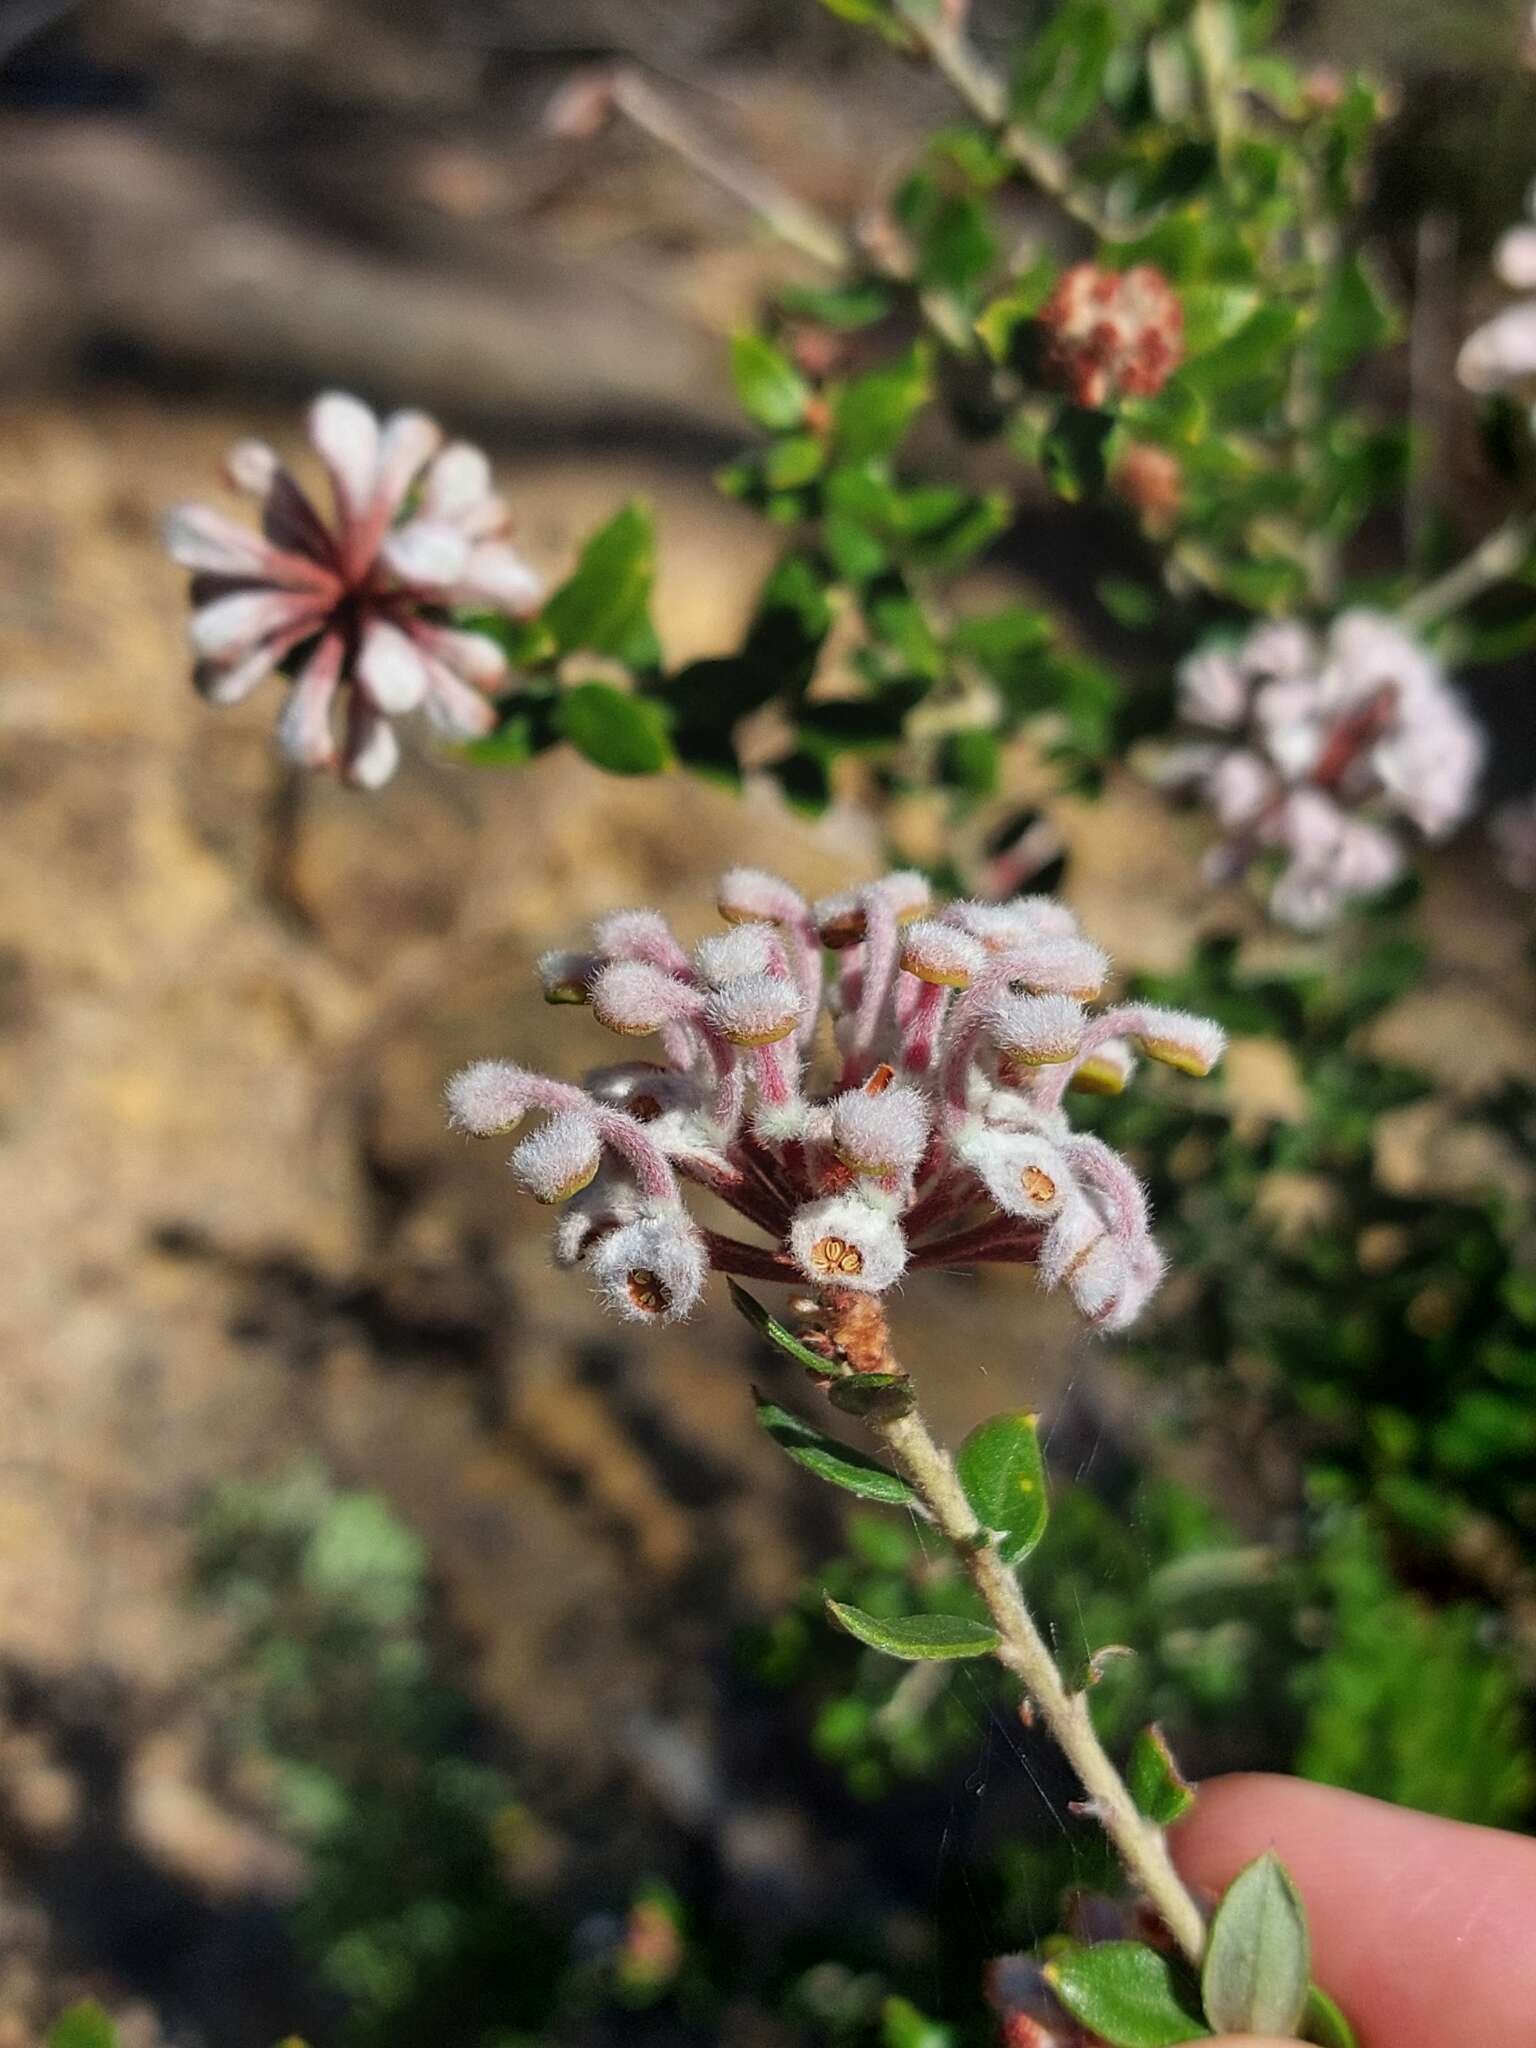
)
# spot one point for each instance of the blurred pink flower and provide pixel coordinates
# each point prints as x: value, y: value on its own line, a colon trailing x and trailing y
x: 1502, y: 352
x: 1323, y: 751
x: 362, y: 605
x: 942, y: 1139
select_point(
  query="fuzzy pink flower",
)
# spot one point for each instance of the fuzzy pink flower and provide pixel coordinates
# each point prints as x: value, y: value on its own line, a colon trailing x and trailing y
x: 938, y: 1134
x: 360, y: 607
x: 1112, y: 333
x: 1327, y: 752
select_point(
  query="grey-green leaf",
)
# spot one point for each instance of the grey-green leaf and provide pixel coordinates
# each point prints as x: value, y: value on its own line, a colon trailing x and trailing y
x: 769, y: 1326
x: 832, y: 1461
x: 1323, y: 2024
x: 918, y: 1638
x: 1156, y: 1783
x: 1128, y: 1994
x: 1003, y: 1474
x: 1257, y: 1970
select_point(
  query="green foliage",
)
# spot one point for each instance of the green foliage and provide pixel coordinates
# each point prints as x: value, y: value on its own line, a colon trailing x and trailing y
x: 1407, y: 1701
x: 1127, y: 1994
x: 624, y: 734
x: 83, y: 2026
x: 330, y: 1681
x: 1003, y: 1474
x: 917, y: 1638
x: 1154, y: 1779
x: 832, y: 1461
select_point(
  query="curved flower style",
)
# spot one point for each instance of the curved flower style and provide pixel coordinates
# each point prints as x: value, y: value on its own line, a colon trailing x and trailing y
x: 1502, y: 352
x: 361, y: 606
x: 943, y: 1139
x: 1322, y: 750
x: 1112, y: 333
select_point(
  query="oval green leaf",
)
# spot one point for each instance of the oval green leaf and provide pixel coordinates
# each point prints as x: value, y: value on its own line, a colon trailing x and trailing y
x: 1128, y: 1994
x: 832, y: 1461
x: 769, y: 1326
x: 86, y: 2025
x: 1257, y: 1970
x: 1323, y: 2024
x: 1003, y: 1474
x: 769, y: 386
x: 626, y: 735
x: 918, y: 1638
x: 603, y: 604
x: 1156, y: 1783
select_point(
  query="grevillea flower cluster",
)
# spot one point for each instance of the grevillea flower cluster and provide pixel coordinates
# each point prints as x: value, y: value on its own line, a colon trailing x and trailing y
x: 1112, y: 333
x: 1502, y: 352
x: 1323, y: 750
x: 940, y: 1137
x: 359, y: 609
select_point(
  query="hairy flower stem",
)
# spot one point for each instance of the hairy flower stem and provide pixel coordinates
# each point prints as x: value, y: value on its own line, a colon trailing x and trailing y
x: 1498, y: 556
x: 1023, y: 1650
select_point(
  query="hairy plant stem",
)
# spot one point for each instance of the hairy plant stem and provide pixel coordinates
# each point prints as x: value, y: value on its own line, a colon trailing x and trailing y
x: 1023, y: 1650
x: 1494, y: 558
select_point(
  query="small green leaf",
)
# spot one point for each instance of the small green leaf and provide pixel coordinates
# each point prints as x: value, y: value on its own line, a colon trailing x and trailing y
x: 1323, y: 2024
x: 769, y: 1326
x: 624, y: 734
x: 903, y: 2026
x: 1128, y: 1994
x: 1258, y: 1960
x: 85, y: 2025
x: 1257, y: 349
x: 872, y: 1394
x: 1155, y: 1781
x: 918, y: 1638
x: 844, y: 306
x: 1003, y: 1474
x: 602, y: 606
x: 794, y: 461
x: 509, y: 746
x: 832, y: 1461
x: 769, y: 386
x: 874, y: 411
x: 1072, y: 453
x: 1355, y: 317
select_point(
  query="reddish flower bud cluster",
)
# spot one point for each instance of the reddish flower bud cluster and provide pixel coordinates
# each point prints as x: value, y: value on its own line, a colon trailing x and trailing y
x: 1112, y: 333
x: 941, y: 1139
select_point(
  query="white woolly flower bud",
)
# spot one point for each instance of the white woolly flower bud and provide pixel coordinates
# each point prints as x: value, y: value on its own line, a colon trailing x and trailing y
x: 644, y: 1090
x: 1212, y: 688
x: 844, y: 1241
x: 1099, y: 1279
x: 567, y: 977
x: 1008, y: 927
x: 783, y: 1123
x: 1063, y: 966
x: 1035, y: 1030
x: 1023, y: 1172
x: 884, y: 1133
x: 653, y: 1269
x: 749, y: 896
x: 755, y: 1009
x: 609, y: 1201
x: 639, y: 935
x: 1106, y: 1070
x: 559, y: 1159
x: 1178, y: 1039
x: 1077, y: 1228
x: 843, y: 918
x: 488, y: 1098
x: 745, y: 949
x: 634, y: 998
x: 941, y: 953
